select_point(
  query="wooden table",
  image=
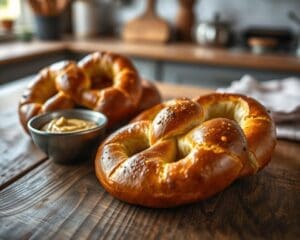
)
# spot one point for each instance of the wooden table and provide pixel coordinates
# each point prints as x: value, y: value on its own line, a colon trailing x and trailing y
x: 43, y: 200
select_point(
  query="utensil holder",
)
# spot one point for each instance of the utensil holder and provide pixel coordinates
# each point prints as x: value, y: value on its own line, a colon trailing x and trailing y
x: 48, y: 27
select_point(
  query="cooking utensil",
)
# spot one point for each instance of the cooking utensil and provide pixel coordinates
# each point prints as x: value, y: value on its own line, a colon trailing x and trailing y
x: 147, y: 27
x: 296, y: 19
x: 85, y: 21
x: 47, y: 17
x: 69, y: 147
x: 269, y: 39
x: 215, y: 33
x: 48, y: 27
x: 262, y: 44
x: 185, y: 20
x: 48, y: 7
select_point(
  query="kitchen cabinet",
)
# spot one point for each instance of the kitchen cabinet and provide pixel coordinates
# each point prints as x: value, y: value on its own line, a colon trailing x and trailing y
x: 200, y: 74
x: 148, y: 69
x: 17, y: 69
x: 212, y: 76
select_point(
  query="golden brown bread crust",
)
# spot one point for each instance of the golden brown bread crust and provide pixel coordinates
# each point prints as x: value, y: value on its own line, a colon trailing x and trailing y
x: 42, y: 95
x: 102, y: 81
x: 185, y: 150
x: 254, y: 120
x: 150, y: 96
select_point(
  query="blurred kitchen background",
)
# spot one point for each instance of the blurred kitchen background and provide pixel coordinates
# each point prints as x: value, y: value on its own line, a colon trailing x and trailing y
x: 206, y: 43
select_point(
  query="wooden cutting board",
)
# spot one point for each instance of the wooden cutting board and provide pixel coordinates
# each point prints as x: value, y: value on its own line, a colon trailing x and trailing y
x: 148, y: 27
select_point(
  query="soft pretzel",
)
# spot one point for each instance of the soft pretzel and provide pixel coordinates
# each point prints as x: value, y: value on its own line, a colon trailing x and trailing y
x: 102, y: 81
x: 42, y: 95
x: 150, y: 96
x: 186, y: 150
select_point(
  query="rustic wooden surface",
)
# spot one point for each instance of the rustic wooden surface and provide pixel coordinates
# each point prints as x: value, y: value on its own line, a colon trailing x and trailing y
x: 178, y: 52
x: 50, y: 201
x: 14, y: 161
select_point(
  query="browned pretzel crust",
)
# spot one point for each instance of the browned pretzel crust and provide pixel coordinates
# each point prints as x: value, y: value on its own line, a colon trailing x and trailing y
x: 186, y: 150
x: 102, y: 81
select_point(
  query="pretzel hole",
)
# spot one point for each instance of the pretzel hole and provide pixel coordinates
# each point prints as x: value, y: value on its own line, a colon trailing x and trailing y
x: 134, y: 146
x: 138, y: 148
x: 234, y: 110
x: 184, y: 148
x: 101, y: 80
x: 164, y: 150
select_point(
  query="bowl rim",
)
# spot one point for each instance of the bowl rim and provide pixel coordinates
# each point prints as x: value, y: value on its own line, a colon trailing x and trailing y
x: 61, y: 112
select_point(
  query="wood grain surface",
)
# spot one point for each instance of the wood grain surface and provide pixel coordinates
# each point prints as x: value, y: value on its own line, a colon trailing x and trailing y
x: 175, y: 52
x: 14, y: 161
x: 51, y: 201
x: 67, y: 202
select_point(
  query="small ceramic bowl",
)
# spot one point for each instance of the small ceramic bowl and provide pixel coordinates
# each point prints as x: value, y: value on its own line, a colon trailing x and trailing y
x: 68, y: 147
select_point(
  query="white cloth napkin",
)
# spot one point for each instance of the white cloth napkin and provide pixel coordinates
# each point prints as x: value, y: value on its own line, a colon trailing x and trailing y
x: 282, y: 97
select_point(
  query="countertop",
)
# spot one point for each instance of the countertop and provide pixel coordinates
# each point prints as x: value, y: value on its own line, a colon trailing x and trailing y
x: 44, y: 200
x: 175, y: 52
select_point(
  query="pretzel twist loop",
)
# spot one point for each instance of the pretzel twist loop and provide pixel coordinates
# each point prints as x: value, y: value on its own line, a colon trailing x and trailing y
x: 102, y: 81
x: 186, y: 150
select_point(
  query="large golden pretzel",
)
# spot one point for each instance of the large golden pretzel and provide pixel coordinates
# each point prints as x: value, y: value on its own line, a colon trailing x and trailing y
x: 186, y: 150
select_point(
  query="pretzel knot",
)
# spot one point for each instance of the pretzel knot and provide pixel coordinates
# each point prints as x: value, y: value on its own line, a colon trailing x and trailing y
x: 186, y: 150
x: 102, y: 81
